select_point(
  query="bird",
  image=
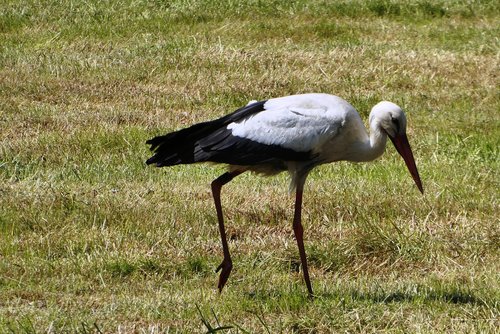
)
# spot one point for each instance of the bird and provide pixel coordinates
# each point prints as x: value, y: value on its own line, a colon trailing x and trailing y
x: 291, y: 134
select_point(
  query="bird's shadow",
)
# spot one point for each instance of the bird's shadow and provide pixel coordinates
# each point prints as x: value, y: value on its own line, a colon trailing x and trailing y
x: 455, y: 296
x: 421, y: 294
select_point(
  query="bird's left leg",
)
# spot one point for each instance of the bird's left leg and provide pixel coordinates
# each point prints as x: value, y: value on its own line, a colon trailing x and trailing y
x: 298, y: 229
x: 226, y: 264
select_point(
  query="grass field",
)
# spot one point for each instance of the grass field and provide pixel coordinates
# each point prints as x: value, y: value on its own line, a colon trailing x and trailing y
x: 93, y: 240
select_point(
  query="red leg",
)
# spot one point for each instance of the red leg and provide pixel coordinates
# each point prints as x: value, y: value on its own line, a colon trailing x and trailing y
x: 226, y: 264
x: 299, y: 235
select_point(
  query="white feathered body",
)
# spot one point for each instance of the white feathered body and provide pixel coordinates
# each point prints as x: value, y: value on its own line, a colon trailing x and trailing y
x: 293, y: 133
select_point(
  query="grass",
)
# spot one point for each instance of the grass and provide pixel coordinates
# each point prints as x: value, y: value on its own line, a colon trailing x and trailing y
x: 92, y: 240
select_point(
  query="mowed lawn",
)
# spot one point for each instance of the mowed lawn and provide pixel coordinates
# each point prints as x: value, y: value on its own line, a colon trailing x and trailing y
x: 93, y: 240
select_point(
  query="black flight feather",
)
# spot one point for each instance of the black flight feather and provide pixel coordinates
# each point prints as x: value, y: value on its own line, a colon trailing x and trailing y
x: 213, y: 141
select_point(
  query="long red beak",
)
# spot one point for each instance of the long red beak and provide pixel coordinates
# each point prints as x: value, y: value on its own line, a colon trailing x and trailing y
x: 403, y: 147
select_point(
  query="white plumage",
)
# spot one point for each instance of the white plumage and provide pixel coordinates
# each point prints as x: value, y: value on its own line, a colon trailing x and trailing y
x: 292, y: 133
x: 299, y: 122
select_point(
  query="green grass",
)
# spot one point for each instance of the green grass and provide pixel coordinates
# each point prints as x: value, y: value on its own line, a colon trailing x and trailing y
x: 92, y: 240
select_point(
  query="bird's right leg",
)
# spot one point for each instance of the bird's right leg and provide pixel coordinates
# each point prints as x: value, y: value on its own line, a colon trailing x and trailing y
x: 298, y: 229
x: 226, y: 264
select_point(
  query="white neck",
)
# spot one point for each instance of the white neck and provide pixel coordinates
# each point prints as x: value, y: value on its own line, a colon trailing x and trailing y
x: 378, y: 139
x: 374, y: 148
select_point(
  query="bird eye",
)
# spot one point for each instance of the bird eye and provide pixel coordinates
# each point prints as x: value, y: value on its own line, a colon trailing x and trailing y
x: 396, y: 123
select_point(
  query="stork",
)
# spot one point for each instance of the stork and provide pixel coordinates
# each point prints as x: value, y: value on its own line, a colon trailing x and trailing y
x: 293, y: 133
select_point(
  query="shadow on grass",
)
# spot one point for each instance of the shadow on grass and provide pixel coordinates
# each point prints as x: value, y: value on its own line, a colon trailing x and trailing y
x: 422, y: 294
x: 412, y: 294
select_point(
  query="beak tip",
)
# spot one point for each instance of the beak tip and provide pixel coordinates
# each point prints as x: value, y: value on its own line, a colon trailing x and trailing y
x: 418, y: 183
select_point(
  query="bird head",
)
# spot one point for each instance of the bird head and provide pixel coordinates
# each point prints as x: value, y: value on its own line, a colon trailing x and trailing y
x: 391, y: 119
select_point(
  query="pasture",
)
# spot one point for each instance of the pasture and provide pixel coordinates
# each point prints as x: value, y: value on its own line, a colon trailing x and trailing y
x: 93, y: 240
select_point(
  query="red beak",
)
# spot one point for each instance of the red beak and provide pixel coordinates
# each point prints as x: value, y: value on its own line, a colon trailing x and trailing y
x: 403, y: 147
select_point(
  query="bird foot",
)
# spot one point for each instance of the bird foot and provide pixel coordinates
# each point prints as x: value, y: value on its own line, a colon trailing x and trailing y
x: 226, y: 267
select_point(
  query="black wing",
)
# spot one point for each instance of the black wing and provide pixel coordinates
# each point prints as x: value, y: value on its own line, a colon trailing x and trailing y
x: 213, y: 141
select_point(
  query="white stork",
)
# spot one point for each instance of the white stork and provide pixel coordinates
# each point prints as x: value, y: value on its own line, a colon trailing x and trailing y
x: 292, y: 133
